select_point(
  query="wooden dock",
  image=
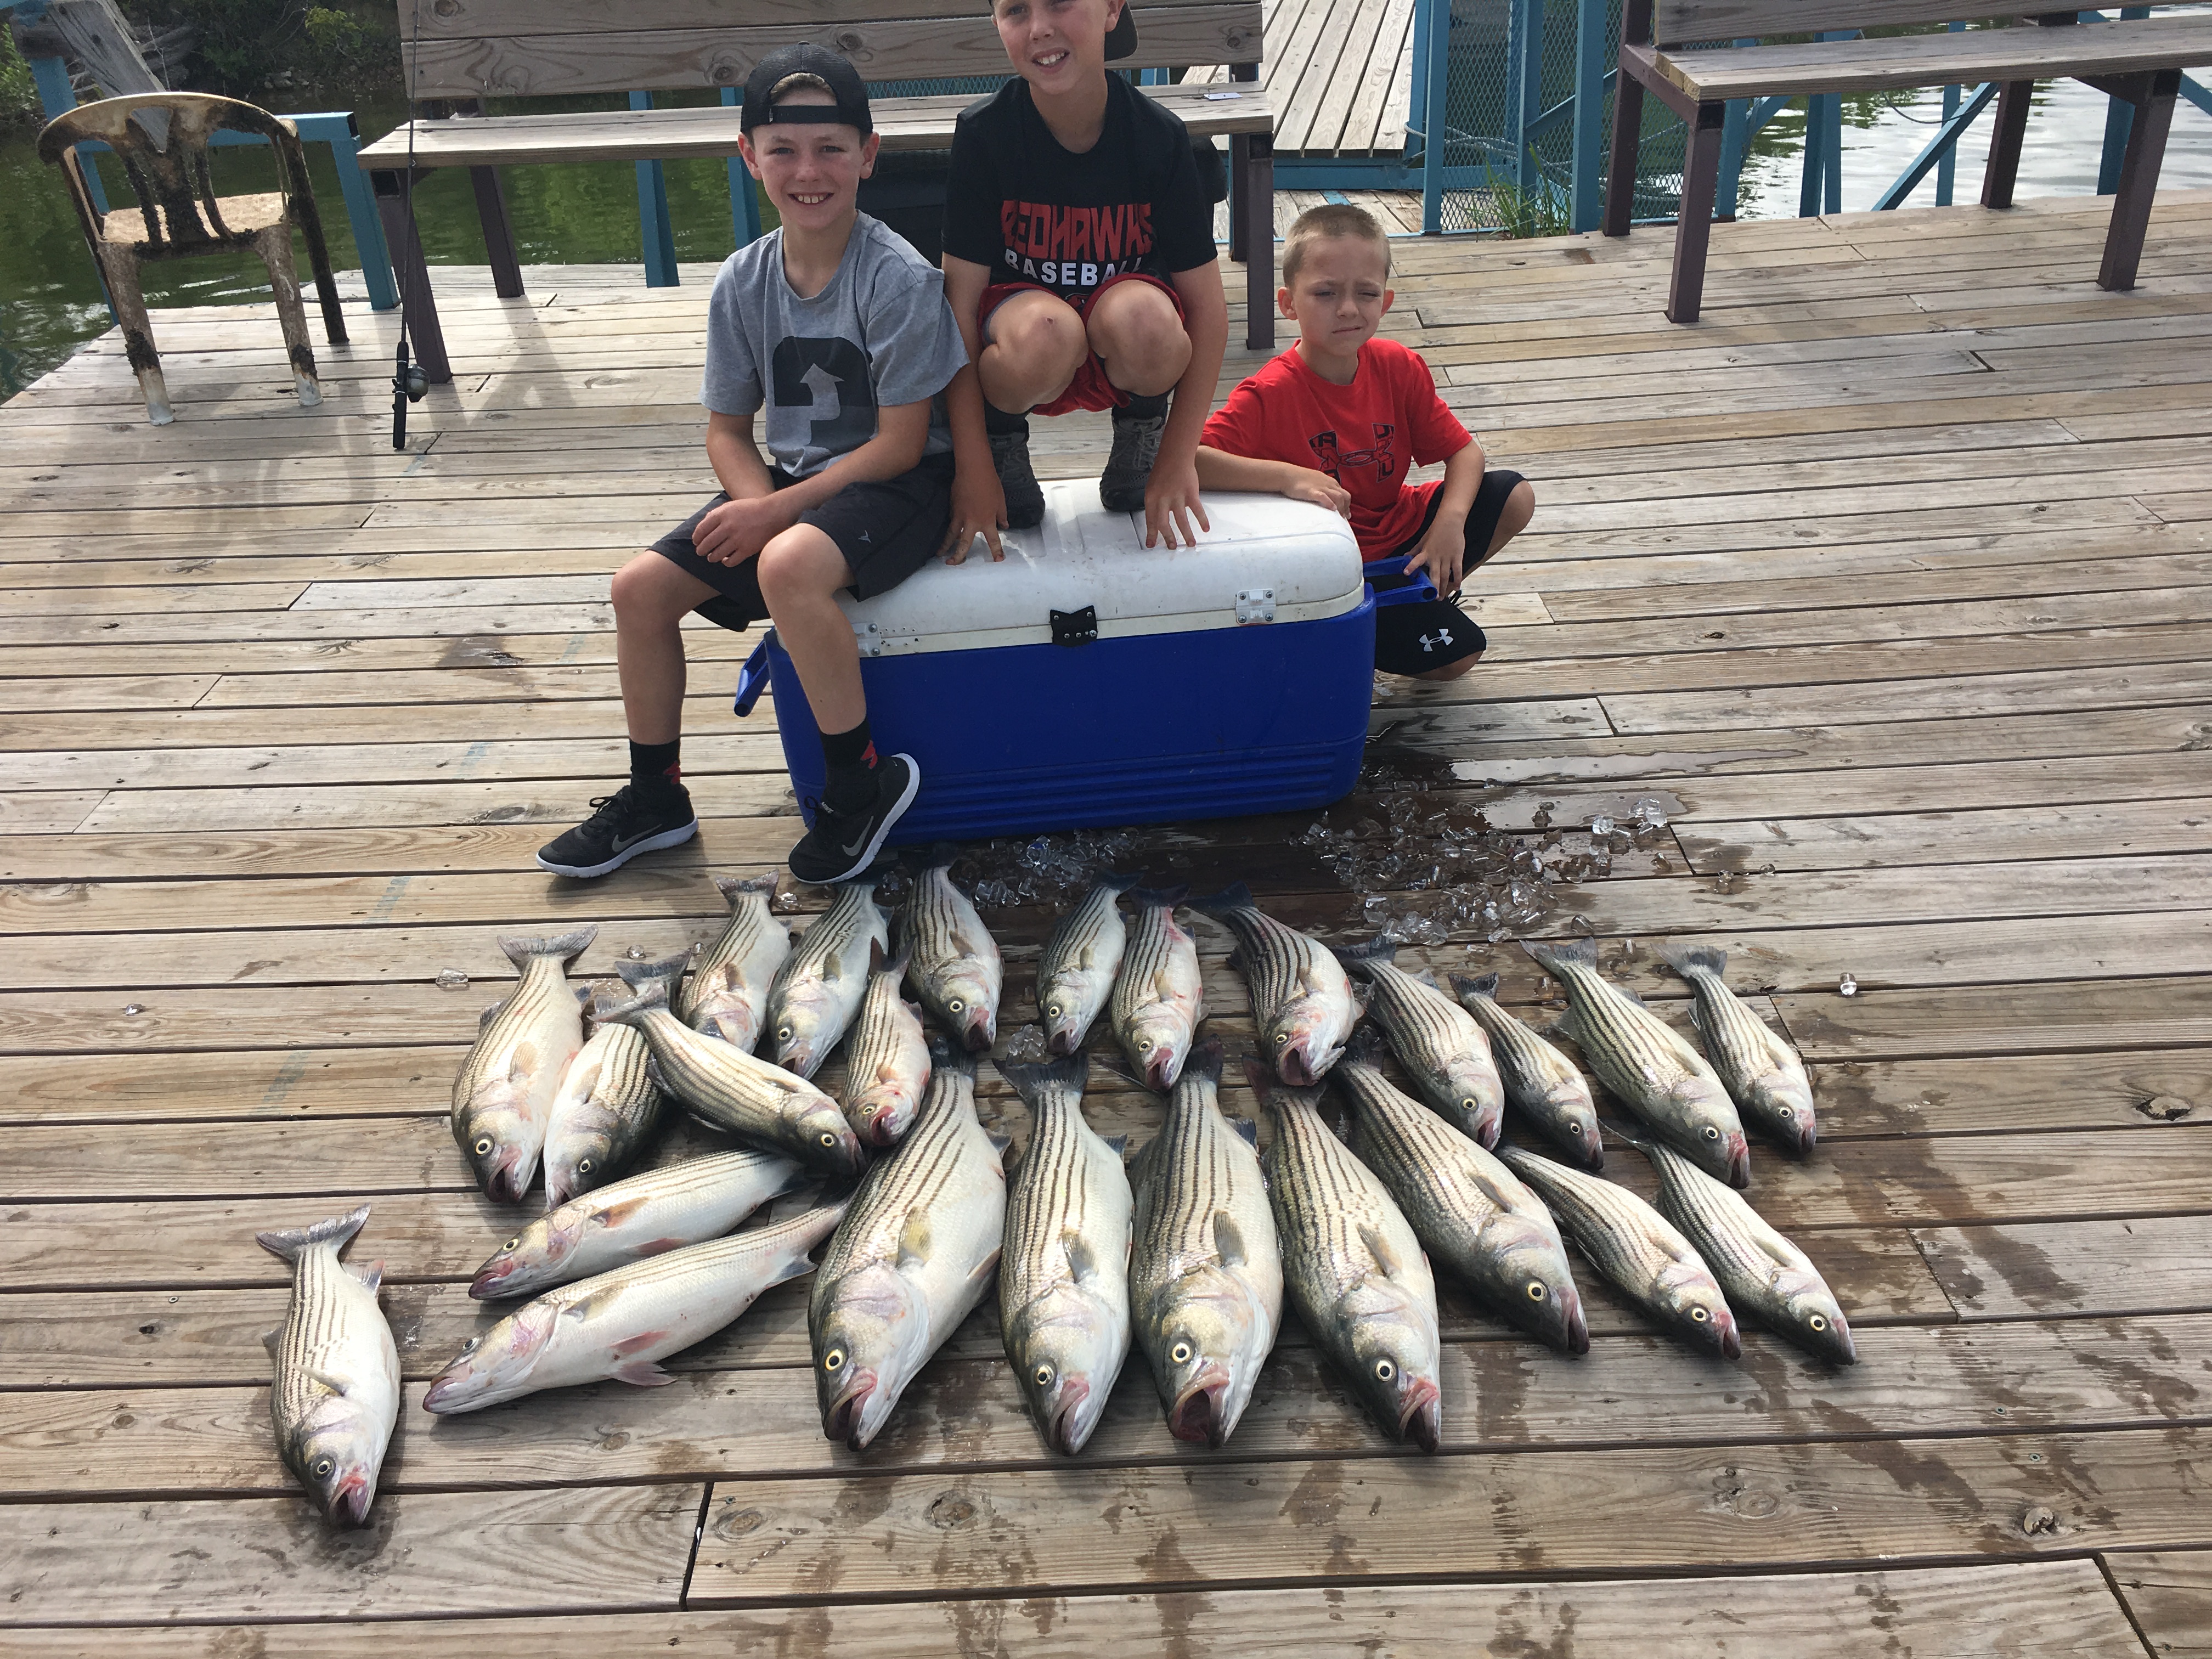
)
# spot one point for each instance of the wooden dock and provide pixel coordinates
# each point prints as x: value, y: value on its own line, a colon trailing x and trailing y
x: 1340, y: 74
x: 1889, y: 579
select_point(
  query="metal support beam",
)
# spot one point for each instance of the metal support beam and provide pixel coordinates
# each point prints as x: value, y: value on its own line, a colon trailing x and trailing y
x: 1586, y: 177
x: 1433, y: 52
x: 1941, y: 147
x: 745, y: 202
x: 1524, y: 85
x: 658, y: 234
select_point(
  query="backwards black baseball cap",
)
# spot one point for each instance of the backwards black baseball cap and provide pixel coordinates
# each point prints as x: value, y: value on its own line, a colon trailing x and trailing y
x: 849, y: 92
x: 1121, y: 38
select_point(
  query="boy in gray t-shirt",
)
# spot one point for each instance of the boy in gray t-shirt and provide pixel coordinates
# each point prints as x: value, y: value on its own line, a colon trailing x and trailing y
x: 840, y: 332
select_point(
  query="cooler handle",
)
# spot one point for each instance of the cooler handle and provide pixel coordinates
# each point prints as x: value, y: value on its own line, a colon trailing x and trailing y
x: 752, y: 678
x: 1421, y: 588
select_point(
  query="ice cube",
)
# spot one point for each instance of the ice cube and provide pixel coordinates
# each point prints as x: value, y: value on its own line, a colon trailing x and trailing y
x: 451, y: 979
x: 1601, y: 825
x: 134, y: 1007
x: 1648, y: 812
x: 1027, y: 1045
x: 1847, y: 987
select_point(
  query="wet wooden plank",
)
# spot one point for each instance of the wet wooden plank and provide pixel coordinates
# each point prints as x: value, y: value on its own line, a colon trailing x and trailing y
x: 2168, y: 1594
x: 2150, y: 1264
x: 2040, y: 831
x: 2016, y: 1019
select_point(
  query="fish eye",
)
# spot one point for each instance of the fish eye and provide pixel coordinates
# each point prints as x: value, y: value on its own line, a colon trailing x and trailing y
x: 1144, y: 1045
x: 833, y: 1360
x: 1384, y: 1370
x: 583, y: 1166
x: 1044, y: 1375
x: 783, y: 1034
x: 1281, y: 1037
x: 323, y: 1468
x: 1575, y: 1128
x: 1712, y: 1134
x: 471, y: 1345
x: 1054, y: 1010
x: 514, y: 1243
x: 1537, y: 1292
x: 1699, y: 1314
x: 827, y: 1139
x: 1180, y: 1354
x: 1818, y: 1322
x: 485, y: 1144
x: 1785, y: 1111
x: 1469, y: 1106
x: 955, y: 1005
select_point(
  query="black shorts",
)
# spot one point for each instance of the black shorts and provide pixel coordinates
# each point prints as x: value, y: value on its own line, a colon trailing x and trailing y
x: 1427, y: 633
x: 887, y: 529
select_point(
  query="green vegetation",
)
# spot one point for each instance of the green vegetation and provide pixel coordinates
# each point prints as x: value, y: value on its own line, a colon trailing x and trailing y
x: 283, y: 52
x: 1538, y: 211
x: 19, y: 97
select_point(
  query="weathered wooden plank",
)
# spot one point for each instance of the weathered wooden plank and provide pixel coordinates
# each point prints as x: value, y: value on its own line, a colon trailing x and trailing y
x: 275, y: 1557
x: 2051, y: 1091
x: 40, y: 813
x: 2040, y: 831
x: 2042, y: 1269
x: 2017, y: 1019
x: 2168, y: 1595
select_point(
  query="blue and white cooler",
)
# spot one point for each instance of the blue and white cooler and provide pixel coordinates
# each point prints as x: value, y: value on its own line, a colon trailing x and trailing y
x: 1090, y: 680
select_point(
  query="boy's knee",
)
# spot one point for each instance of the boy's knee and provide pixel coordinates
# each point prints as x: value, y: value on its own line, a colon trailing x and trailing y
x: 801, y: 563
x: 1041, y: 332
x: 1138, y: 330
x: 1520, y: 505
x: 1451, y: 671
x: 643, y: 591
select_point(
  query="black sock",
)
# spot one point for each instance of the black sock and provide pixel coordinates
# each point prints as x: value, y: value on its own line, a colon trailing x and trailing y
x: 654, y: 769
x: 998, y: 423
x: 1143, y: 409
x: 851, y: 757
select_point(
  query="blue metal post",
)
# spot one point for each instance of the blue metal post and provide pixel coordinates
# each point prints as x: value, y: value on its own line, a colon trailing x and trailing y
x: 1816, y: 138
x: 1832, y: 156
x: 659, y: 236
x: 341, y: 133
x: 1417, y: 101
x: 1432, y: 66
x: 1524, y: 87
x: 2119, y: 117
x: 745, y: 205
x: 60, y: 98
x: 1736, y: 140
x: 1593, y: 47
x: 1944, y: 143
x: 1947, y: 169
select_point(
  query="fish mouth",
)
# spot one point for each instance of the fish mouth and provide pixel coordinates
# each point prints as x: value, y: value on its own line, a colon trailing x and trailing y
x: 840, y: 1420
x: 1199, y: 1413
x: 440, y: 1396
x: 881, y: 1128
x: 1739, y: 1162
x: 559, y: 1190
x: 1065, y: 1432
x: 507, y: 1181
x: 1577, y: 1334
x: 1059, y: 1037
x: 489, y: 1283
x: 1727, y: 1338
x: 1160, y: 1071
x: 980, y: 1032
x: 797, y: 1058
x: 350, y: 1499
x: 1294, y: 1066
x: 1420, y: 1419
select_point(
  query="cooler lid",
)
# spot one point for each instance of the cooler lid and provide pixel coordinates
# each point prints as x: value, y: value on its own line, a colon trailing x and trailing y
x: 1266, y: 559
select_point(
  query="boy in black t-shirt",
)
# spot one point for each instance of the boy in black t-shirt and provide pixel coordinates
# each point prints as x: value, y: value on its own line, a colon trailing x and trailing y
x: 1080, y: 264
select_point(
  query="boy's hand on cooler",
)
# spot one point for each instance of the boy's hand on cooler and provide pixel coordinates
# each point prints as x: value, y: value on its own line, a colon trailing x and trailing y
x: 1321, y: 490
x: 1171, y: 502
x: 1441, y: 554
x: 736, y: 531
x: 979, y: 508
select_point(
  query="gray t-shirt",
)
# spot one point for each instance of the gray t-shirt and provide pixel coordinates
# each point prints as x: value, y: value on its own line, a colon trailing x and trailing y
x: 881, y: 333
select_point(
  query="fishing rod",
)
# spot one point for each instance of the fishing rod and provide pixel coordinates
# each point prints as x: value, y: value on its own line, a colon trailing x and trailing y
x: 410, y: 383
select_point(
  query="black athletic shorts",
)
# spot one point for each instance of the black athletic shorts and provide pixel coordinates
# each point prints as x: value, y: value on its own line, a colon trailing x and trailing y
x: 1427, y: 633
x: 887, y: 529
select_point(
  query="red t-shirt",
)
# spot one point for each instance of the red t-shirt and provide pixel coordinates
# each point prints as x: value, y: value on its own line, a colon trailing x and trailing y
x: 1367, y: 436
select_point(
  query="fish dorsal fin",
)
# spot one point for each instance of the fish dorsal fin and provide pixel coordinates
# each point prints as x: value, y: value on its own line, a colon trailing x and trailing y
x: 370, y: 1275
x: 914, y: 1240
x: 1228, y: 1240
x: 1379, y: 1246
x: 1082, y: 1260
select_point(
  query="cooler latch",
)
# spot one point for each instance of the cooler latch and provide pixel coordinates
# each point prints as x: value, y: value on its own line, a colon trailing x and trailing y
x: 1075, y: 626
x: 1256, y: 604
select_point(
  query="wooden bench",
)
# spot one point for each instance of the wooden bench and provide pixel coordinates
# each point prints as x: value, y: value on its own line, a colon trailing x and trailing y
x: 2138, y: 60
x: 470, y: 50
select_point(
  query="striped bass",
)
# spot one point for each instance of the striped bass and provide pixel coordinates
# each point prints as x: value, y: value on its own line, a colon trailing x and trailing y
x: 817, y: 990
x: 503, y: 1094
x: 953, y: 962
x: 886, y: 1062
x: 1541, y: 1082
x: 1159, y: 995
x: 608, y: 1109
x: 729, y: 984
x: 1302, y: 1003
x: 913, y: 1257
x: 1355, y: 1270
x: 1205, y: 1269
x: 1644, y: 1064
x: 336, y: 1394
x: 1762, y: 1075
x: 1438, y: 1042
x: 730, y: 1088
x: 1635, y: 1247
x: 638, y: 1215
x: 1076, y: 974
x: 1064, y: 1278
x: 620, y: 1325
x: 1476, y: 1216
x: 1762, y: 1273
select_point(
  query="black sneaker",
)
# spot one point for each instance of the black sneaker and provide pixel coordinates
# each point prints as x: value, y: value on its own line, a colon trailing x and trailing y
x: 1009, y: 454
x: 627, y: 823
x: 842, y: 844
x: 1129, y: 465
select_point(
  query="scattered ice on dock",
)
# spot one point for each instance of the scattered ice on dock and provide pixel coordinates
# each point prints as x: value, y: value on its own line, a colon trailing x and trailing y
x: 1847, y: 987
x: 451, y: 979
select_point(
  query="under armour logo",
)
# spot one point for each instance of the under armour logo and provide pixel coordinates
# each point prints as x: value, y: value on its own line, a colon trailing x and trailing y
x: 1334, y: 458
x: 865, y: 539
x: 1444, y: 637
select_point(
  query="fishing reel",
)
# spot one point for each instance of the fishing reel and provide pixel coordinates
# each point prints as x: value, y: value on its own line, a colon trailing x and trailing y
x: 410, y: 384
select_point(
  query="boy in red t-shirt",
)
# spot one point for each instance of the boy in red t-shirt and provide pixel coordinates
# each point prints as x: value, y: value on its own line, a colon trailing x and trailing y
x: 1342, y: 416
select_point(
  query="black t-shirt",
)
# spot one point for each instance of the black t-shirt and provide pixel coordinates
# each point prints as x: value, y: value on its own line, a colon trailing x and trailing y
x: 1033, y: 212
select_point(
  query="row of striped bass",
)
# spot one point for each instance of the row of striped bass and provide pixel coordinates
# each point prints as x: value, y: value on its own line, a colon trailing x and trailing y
x: 1438, y: 1042
x: 620, y: 1325
x: 1541, y: 1082
x: 1159, y: 995
x: 641, y: 1215
x: 952, y: 961
x: 1064, y: 1277
x: 1353, y: 1267
x: 887, y: 1061
x: 608, y: 1106
x: 1763, y: 1273
x: 1476, y: 1217
x: 335, y: 1397
x: 503, y: 1094
x: 817, y: 991
x: 1762, y: 1074
x: 728, y: 994
x: 913, y: 1257
x: 1206, y: 1269
x: 1635, y: 1247
x: 762, y: 1104
x: 1302, y: 1003
x: 1076, y: 973
x: 1644, y: 1064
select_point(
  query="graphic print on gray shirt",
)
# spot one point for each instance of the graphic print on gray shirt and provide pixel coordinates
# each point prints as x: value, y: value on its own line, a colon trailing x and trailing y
x: 880, y: 334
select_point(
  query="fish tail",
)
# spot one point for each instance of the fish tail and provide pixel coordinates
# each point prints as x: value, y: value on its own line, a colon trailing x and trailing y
x: 1238, y: 895
x: 1365, y: 1049
x: 734, y: 889
x: 1033, y: 1081
x: 653, y: 994
x: 1164, y: 898
x: 1205, y: 1060
x: 1119, y: 880
x: 1481, y: 985
x: 938, y: 856
x: 1691, y: 960
x: 1359, y: 958
x: 1555, y: 956
x: 520, y: 948
x: 639, y: 974
x: 945, y: 1057
x: 296, y: 1243
x: 894, y: 966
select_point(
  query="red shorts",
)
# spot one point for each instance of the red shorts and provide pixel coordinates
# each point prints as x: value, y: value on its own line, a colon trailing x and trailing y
x: 1090, y: 389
